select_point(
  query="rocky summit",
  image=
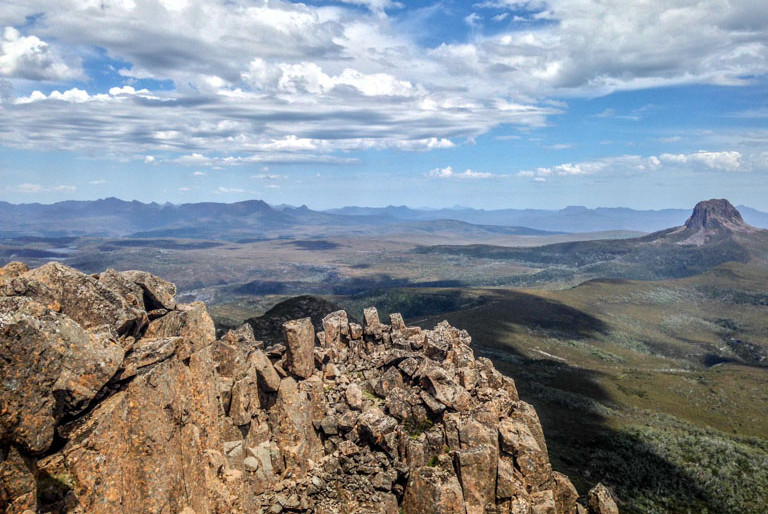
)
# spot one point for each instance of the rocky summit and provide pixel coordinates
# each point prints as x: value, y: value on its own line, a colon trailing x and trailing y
x: 711, y: 219
x: 116, y: 398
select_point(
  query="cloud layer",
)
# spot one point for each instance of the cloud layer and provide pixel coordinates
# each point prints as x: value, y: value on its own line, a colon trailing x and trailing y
x: 217, y: 82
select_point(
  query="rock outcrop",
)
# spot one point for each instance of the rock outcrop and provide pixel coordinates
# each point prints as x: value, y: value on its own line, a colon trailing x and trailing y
x: 114, y: 398
x: 713, y: 219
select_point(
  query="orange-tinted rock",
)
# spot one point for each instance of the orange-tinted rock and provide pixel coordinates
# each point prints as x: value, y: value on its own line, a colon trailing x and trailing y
x: 300, y: 347
x: 433, y: 490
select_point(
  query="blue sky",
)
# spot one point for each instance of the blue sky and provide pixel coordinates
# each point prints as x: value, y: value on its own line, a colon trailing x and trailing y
x: 491, y: 104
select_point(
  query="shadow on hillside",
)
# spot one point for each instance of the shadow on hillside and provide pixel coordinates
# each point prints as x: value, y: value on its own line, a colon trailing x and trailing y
x: 575, y: 410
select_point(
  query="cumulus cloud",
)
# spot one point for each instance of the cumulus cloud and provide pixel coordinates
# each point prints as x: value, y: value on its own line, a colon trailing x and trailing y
x: 722, y: 161
x: 29, y: 57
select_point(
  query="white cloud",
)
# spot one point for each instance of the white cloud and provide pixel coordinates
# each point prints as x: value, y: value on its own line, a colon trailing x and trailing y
x: 727, y: 161
x: 441, y: 172
x: 230, y: 190
x: 267, y: 176
x: 258, y: 82
x: 97, y: 182
x: 29, y: 57
x: 29, y: 188
x: 448, y: 172
x: 199, y: 174
x: 721, y: 161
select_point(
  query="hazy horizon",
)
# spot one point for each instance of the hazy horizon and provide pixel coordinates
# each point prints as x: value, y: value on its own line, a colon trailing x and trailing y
x: 381, y: 206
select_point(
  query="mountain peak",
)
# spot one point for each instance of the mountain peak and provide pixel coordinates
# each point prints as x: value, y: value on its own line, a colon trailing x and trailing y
x: 715, y: 214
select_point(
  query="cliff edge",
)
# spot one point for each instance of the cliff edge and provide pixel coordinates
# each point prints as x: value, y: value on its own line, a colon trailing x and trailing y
x: 114, y: 398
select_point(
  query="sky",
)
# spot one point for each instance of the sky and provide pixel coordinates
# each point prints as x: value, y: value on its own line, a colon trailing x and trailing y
x: 493, y: 104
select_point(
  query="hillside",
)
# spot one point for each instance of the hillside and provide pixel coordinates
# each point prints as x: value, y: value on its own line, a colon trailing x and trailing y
x: 657, y: 388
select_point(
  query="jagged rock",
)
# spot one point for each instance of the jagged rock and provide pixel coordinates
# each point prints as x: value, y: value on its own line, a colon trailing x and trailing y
x: 147, y: 352
x: 445, y: 390
x: 18, y: 487
x: 84, y: 299
x: 268, y: 377
x: 158, y: 293
x: 377, y: 428
x: 543, y: 502
x: 300, y: 347
x: 477, y: 468
x: 13, y: 269
x: 601, y: 501
x: 354, y: 396
x: 433, y: 490
x: 565, y: 494
x: 51, y: 369
x: 291, y: 423
x: 242, y: 336
x: 372, y: 323
x: 161, y: 417
x: 389, y: 380
x: 335, y: 325
x: 190, y: 322
x: 122, y: 285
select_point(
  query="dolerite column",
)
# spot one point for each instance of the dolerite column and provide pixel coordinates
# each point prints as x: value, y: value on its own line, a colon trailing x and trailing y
x: 300, y: 347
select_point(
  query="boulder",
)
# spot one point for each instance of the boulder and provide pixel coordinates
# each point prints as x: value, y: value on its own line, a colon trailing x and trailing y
x: 335, y: 325
x: 601, y: 501
x: 300, y: 347
x: 85, y: 300
x: 158, y: 293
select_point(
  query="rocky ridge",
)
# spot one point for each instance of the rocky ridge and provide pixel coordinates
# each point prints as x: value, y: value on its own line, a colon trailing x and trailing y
x: 114, y: 398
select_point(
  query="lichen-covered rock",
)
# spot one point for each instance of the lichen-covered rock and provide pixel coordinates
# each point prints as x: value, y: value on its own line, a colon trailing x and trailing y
x: 158, y: 293
x: 104, y: 411
x: 87, y: 301
x: 51, y: 368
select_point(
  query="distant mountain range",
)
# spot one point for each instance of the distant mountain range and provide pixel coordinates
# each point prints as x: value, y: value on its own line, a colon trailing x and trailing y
x: 569, y: 219
x: 714, y: 234
x: 112, y: 217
